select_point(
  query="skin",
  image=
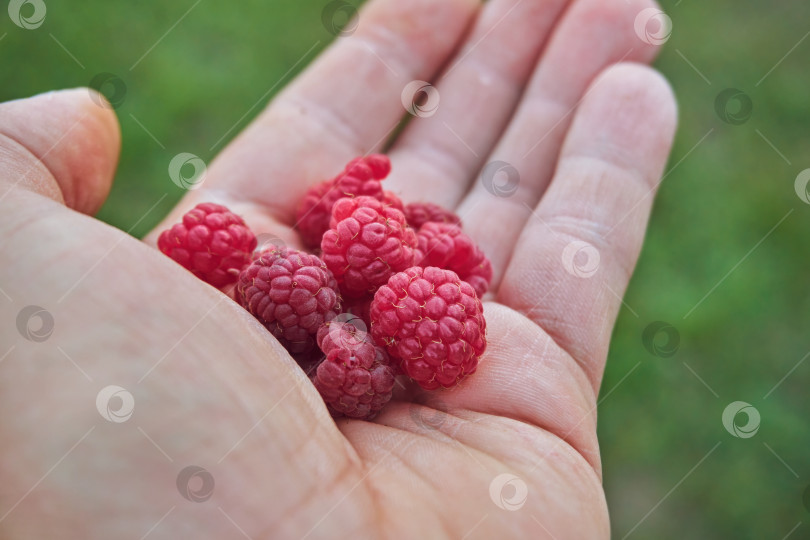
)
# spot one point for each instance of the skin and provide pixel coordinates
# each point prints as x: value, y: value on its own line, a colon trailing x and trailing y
x: 556, y: 89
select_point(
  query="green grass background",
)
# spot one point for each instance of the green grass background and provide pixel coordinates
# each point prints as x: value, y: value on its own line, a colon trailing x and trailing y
x: 658, y: 421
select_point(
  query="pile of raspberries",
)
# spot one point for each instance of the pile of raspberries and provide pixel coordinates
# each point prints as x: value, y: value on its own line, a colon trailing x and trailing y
x: 385, y: 290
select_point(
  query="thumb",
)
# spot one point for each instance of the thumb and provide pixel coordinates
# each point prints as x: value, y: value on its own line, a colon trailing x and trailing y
x: 63, y: 145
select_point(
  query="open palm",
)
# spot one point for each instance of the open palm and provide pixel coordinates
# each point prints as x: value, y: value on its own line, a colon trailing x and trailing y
x: 548, y: 141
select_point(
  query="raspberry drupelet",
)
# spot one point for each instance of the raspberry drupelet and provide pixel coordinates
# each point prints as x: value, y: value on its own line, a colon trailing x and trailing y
x: 391, y: 199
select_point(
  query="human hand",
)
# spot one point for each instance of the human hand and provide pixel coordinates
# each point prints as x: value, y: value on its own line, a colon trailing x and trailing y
x: 213, y: 389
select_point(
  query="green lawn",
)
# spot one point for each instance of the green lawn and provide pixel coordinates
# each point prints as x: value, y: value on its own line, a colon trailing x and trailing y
x: 735, y: 288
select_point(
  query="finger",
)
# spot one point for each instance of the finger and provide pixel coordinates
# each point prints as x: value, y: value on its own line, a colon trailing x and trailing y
x: 593, y: 35
x: 61, y: 144
x: 346, y: 104
x: 576, y: 254
x: 437, y: 155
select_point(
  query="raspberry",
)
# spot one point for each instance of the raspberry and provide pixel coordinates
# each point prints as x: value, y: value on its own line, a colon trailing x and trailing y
x: 354, y: 379
x: 366, y: 244
x: 432, y: 322
x: 420, y: 213
x: 291, y: 293
x: 314, y: 213
x: 391, y: 199
x: 445, y: 245
x: 345, y: 331
x: 212, y: 242
x: 380, y: 165
x: 360, y: 309
x: 361, y: 176
x: 309, y: 361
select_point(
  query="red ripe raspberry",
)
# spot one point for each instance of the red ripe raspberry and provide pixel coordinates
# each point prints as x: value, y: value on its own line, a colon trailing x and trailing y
x: 314, y: 213
x: 291, y: 293
x: 366, y: 244
x: 380, y: 165
x: 308, y: 361
x: 345, y: 331
x: 420, y: 213
x: 354, y: 379
x: 444, y: 245
x: 433, y: 323
x: 212, y: 242
x: 361, y: 176
x: 360, y: 309
x: 391, y: 199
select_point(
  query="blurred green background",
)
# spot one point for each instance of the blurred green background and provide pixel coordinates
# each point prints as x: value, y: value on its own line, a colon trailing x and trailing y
x: 725, y: 264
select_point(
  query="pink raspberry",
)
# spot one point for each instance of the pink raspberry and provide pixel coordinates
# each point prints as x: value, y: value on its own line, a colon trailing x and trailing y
x: 345, y: 331
x: 444, y: 245
x: 420, y: 213
x: 291, y: 293
x: 309, y: 361
x: 361, y: 176
x: 359, y: 308
x: 358, y: 314
x: 366, y: 244
x: 354, y: 379
x: 392, y: 200
x: 433, y: 323
x: 380, y: 165
x: 212, y: 242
